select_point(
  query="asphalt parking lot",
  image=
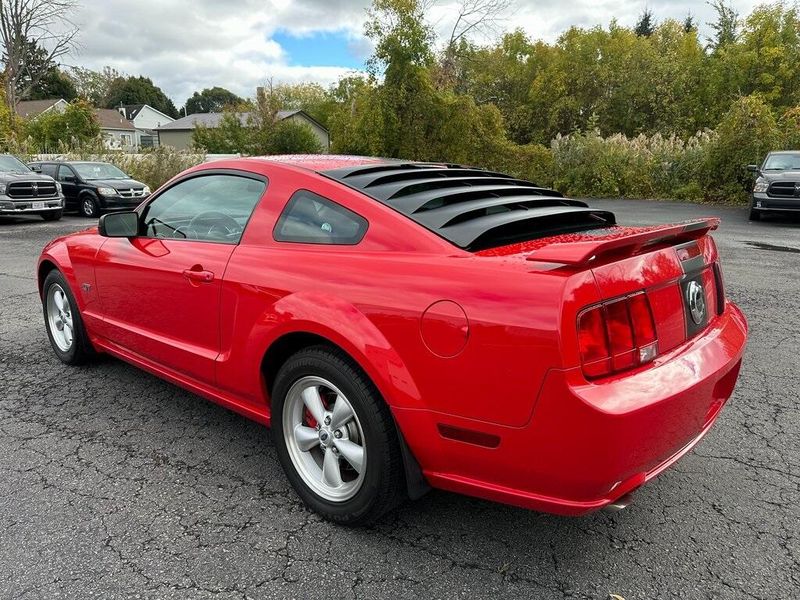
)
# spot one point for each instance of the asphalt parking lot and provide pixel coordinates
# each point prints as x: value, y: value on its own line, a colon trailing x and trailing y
x: 114, y: 484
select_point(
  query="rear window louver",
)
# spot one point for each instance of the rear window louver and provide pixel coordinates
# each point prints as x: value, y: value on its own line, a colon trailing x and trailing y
x: 472, y: 208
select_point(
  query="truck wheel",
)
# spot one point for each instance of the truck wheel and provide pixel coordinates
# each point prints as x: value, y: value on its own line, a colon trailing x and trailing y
x: 53, y: 216
x: 88, y: 207
x: 755, y: 215
x: 335, y: 437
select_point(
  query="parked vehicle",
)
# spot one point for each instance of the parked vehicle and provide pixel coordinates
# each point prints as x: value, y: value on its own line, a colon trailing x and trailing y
x: 777, y: 186
x: 93, y: 188
x: 403, y: 325
x: 24, y: 193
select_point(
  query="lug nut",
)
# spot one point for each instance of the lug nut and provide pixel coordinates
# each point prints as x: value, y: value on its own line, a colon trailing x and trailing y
x: 337, y: 434
x: 327, y: 420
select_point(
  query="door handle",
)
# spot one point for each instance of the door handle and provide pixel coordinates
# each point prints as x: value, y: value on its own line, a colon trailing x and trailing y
x: 198, y: 276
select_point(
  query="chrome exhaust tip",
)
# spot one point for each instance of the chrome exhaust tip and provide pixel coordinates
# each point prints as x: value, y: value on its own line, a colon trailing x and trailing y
x: 620, y: 503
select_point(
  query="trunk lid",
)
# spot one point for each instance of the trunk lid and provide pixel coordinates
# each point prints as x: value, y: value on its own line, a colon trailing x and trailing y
x: 675, y: 267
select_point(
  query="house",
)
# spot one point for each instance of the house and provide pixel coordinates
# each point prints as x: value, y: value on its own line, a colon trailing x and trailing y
x: 30, y: 109
x: 178, y: 134
x: 147, y: 120
x: 118, y: 132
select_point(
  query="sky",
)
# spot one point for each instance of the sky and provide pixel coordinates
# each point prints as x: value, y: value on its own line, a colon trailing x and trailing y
x: 184, y: 46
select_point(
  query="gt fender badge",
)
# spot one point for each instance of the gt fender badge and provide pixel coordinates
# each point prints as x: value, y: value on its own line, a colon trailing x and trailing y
x: 86, y: 287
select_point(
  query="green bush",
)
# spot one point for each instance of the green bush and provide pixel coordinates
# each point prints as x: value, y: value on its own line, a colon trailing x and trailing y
x: 533, y: 162
x: 789, y: 124
x: 74, y: 126
x: 587, y: 164
x: 744, y: 136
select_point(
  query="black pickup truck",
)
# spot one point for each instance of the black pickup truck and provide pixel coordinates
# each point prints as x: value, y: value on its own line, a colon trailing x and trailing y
x: 25, y: 193
x: 777, y: 186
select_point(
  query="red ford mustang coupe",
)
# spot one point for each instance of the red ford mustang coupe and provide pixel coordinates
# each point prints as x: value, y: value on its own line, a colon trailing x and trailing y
x: 402, y: 325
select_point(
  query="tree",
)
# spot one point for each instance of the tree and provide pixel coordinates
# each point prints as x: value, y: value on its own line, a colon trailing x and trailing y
x: 54, y: 84
x: 229, y: 137
x: 138, y: 90
x: 93, y: 86
x: 472, y: 16
x: 41, y: 78
x: 26, y: 25
x: 257, y: 130
x: 646, y: 25
x: 74, y: 126
x: 725, y: 27
x: 310, y: 97
x: 689, y: 23
x: 211, y: 100
x: 745, y: 134
x: 402, y: 37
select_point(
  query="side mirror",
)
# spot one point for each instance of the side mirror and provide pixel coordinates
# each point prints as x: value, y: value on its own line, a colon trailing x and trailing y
x: 69, y: 179
x: 35, y: 168
x: 121, y: 224
x: 752, y: 168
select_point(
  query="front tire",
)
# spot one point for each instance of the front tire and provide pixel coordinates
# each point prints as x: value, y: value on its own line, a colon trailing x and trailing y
x: 88, y: 207
x: 755, y: 214
x: 63, y: 321
x: 335, y: 437
x: 53, y: 216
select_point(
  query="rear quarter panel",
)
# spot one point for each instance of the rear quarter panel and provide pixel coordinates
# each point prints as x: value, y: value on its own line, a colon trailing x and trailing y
x: 370, y: 299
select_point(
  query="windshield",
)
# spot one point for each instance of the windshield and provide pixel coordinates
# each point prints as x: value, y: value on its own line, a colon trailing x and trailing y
x: 782, y: 162
x: 9, y: 164
x: 98, y: 171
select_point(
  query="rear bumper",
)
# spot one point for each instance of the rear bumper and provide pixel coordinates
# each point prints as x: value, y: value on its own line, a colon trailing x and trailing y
x: 588, y: 444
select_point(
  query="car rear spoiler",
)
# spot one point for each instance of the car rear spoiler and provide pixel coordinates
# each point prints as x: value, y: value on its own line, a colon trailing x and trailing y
x: 627, y: 240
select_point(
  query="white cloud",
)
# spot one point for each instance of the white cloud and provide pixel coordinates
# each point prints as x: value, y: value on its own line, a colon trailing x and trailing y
x: 185, y: 46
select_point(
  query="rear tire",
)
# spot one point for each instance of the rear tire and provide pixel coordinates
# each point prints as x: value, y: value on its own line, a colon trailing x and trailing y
x: 63, y: 321
x: 53, y: 216
x: 309, y: 449
x: 88, y: 207
x: 755, y: 215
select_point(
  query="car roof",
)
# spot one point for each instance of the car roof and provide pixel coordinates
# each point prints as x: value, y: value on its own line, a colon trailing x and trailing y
x: 322, y: 162
x: 70, y: 162
x: 469, y: 207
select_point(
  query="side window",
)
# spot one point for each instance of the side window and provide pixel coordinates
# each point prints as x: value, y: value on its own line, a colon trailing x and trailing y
x: 49, y: 170
x: 64, y: 172
x: 312, y: 219
x: 210, y: 208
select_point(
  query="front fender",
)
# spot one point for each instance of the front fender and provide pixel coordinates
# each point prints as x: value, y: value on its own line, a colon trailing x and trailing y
x: 74, y: 256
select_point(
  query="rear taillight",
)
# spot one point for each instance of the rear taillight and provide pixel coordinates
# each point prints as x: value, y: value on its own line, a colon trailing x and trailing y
x: 617, y: 335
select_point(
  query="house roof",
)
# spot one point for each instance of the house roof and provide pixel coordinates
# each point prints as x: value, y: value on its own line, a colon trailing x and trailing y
x: 109, y: 118
x: 212, y: 120
x: 33, y: 108
x: 133, y: 110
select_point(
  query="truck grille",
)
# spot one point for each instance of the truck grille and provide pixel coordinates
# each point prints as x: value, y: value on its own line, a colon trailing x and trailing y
x: 24, y: 190
x: 784, y: 189
x: 132, y: 193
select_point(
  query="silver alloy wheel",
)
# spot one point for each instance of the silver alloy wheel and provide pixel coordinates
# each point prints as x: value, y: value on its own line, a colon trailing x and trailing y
x: 324, y: 438
x: 88, y: 207
x: 59, y: 317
